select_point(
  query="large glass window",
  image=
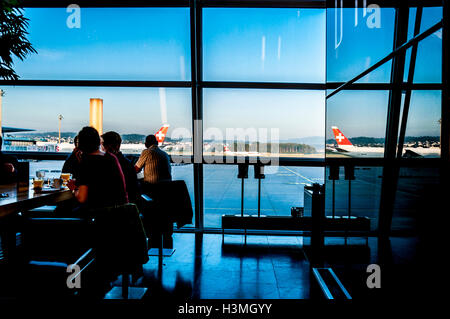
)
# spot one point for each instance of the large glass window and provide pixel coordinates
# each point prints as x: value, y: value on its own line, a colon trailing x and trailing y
x: 365, y: 191
x: 360, y: 118
x: 264, y: 45
x: 429, y: 52
x: 108, y: 44
x: 236, y: 120
x: 423, y: 129
x: 357, y: 39
x: 132, y: 112
x: 280, y: 190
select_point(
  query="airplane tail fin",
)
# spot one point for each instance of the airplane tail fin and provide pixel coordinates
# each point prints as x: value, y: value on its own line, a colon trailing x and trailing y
x: 161, y: 134
x: 340, y: 138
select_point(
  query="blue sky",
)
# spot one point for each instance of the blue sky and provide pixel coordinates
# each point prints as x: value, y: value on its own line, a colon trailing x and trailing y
x: 275, y: 45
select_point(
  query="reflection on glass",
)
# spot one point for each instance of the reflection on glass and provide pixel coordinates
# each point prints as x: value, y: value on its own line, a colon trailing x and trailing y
x: 132, y: 112
x: 429, y: 52
x: 357, y: 39
x: 429, y: 55
x: 280, y: 190
x: 423, y: 130
x: 356, y: 124
x: 108, y: 44
x: 184, y: 172
x: 263, y: 122
x: 264, y: 45
x: 415, y: 184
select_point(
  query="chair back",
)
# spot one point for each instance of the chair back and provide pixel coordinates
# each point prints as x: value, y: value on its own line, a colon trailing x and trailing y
x: 172, y: 199
x: 119, y: 237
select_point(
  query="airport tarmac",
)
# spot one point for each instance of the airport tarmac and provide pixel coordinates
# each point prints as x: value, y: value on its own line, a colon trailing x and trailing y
x: 282, y: 189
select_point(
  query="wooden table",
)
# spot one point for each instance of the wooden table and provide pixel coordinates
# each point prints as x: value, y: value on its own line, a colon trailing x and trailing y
x: 22, y: 201
x: 18, y: 202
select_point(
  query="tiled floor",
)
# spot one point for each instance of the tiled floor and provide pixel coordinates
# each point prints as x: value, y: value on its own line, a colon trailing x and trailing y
x: 273, y: 267
x: 268, y: 267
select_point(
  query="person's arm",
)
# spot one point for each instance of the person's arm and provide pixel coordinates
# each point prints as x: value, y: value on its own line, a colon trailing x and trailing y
x: 80, y: 192
x: 140, y: 162
x: 9, y: 168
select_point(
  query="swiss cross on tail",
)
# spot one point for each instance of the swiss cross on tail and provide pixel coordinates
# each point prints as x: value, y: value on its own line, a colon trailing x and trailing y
x: 340, y: 138
x: 161, y: 134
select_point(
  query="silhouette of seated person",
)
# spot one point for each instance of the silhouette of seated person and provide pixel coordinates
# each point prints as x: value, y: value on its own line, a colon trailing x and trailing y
x: 8, y: 167
x: 101, y: 182
x: 72, y: 163
x: 111, y: 142
x: 157, y: 169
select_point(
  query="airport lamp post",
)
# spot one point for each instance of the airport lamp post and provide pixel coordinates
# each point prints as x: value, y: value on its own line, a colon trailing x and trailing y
x: 60, y: 117
x: 96, y: 115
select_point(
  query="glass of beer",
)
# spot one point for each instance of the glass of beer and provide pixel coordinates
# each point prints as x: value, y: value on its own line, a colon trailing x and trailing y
x: 38, y: 184
x: 65, y: 177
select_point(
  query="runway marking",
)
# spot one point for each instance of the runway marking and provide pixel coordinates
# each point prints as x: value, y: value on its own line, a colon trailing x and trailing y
x: 298, y: 174
x: 295, y: 183
x: 254, y: 209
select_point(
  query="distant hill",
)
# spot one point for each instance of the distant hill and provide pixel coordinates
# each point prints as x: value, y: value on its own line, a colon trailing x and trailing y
x: 126, y: 138
x: 364, y: 140
x: 133, y: 138
x: 311, y: 140
x: 283, y: 147
x: 38, y: 136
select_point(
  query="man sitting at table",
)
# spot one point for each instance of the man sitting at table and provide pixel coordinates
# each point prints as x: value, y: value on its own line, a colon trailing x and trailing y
x: 72, y: 163
x: 111, y: 142
x: 101, y: 182
x: 156, y: 165
x: 8, y: 166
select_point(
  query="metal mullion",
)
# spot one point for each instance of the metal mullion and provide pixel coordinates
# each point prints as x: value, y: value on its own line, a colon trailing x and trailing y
x: 97, y: 83
x: 390, y: 172
x: 105, y: 3
x: 310, y: 4
x: 199, y: 90
x: 412, y: 65
x: 390, y: 3
x: 263, y: 85
x: 445, y: 108
x: 195, y: 20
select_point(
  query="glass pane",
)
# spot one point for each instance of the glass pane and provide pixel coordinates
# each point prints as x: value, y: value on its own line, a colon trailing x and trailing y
x: 264, y: 45
x: 179, y: 172
x: 185, y: 172
x: 132, y: 112
x: 423, y: 130
x: 108, y: 44
x: 280, y: 190
x: 235, y: 120
x: 356, y: 123
x: 411, y: 211
x: 365, y: 194
x: 357, y: 39
x: 429, y: 53
x: 411, y: 24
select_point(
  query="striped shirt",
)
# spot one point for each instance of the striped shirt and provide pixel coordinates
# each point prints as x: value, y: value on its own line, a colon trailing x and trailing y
x: 156, y: 165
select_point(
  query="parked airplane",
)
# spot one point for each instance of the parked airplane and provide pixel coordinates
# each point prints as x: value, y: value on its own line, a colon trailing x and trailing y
x: 161, y: 134
x: 127, y: 148
x: 347, y: 148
